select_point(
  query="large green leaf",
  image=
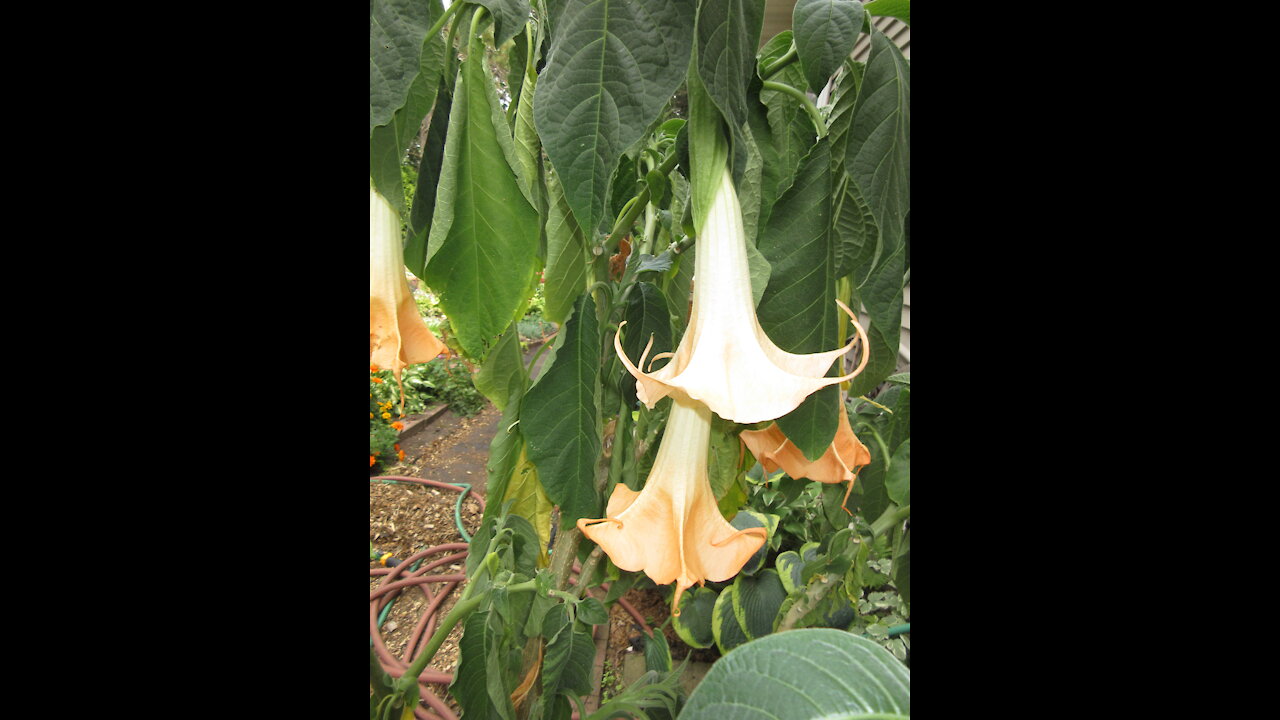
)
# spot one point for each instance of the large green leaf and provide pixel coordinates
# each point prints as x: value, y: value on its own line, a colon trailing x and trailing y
x: 502, y: 376
x: 509, y: 17
x: 803, y: 675
x: 482, y: 251
x: 878, y: 160
x: 756, y: 600
x: 397, y: 29
x: 725, y: 627
x: 567, y: 255
x: 566, y: 667
x: 897, y: 480
x: 424, y: 206
x: 693, y: 624
x: 613, y: 65
x: 388, y: 142
x: 727, y: 36
x: 560, y: 418
x: 478, y: 683
x: 825, y: 31
x: 798, y: 309
x: 900, y: 9
x: 529, y: 501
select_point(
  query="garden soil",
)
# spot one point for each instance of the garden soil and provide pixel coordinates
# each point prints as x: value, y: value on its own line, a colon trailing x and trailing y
x: 406, y: 518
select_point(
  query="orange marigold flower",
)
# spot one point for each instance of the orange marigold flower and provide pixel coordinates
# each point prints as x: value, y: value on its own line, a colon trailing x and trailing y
x: 370, y: 416
x: 371, y: 461
x: 397, y: 425
x: 400, y: 454
x: 377, y: 380
x: 373, y: 368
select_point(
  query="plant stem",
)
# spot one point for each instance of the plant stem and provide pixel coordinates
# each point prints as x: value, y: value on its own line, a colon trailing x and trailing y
x: 637, y: 205
x: 819, y: 123
x: 892, y: 516
x: 435, y: 29
x: 788, y: 58
x: 563, y: 555
x: 588, y: 569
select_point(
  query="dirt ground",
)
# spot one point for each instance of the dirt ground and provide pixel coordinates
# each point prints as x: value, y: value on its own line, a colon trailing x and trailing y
x: 406, y: 518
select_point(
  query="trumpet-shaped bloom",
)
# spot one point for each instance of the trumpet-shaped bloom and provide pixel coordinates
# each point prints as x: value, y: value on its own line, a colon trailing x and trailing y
x: 397, y: 335
x: 672, y: 529
x: 725, y: 359
x: 842, y: 461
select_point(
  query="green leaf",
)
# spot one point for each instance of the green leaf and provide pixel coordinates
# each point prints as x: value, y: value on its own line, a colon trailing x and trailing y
x: 756, y: 600
x: 826, y: 31
x: 897, y: 480
x: 561, y: 419
x: 509, y: 17
x: 591, y: 611
x: 747, y: 518
x: 505, y: 451
x: 900, y: 9
x: 648, y: 318
x: 727, y: 36
x: 798, y: 309
x: 478, y: 683
x: 397, y: 29
x: 693, y: 624
x: 725, y: 628
x: 856, y: 235
x: 529, y: 501
x: 482, y: 251
x: 904, y: 378
x: 568, y: 258
x: 878, y: 160
x: 901, y: 572
x: 612, y: 67
x: 789, y: 566
x: 389, y: 141
x: 657, y: 654
x: 803, y: 675
x: 424, y: 207
x: 527, y: 146
x: 566, y: 666
x: 502, y: 376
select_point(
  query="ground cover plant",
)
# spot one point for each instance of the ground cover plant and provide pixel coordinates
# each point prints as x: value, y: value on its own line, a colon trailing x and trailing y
x: 700, y: 216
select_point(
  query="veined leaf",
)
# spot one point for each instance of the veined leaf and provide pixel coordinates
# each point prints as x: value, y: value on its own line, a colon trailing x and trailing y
x: 397, y: 29
x: 530, y: 501
x: 502, y: 376
x: 566, y: 667
x: 803, y: 675
x: 726, y: 630
x: 560, y: 418
x: 900, y: 9
x: 567, y: 254
x: 727, y: 36
x: 756, y: 601
x: 613, y: 65
x: 897, y: 480
x: 798, y: 310
x: 693, y: 624
x: 825, y: 31
x: 424, y: 206
x: 509, y: 17
x: 388, y: 142
x: 878, y: 160
x: 482, y: 251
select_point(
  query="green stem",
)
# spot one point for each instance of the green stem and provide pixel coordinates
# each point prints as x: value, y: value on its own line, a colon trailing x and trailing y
x: 819, y: 123
x: 563, y: 555
x: 790, y: 57
x: 890, y: 518
x: 588, y: 569
x: 634, y: 208
x: 435, y: 29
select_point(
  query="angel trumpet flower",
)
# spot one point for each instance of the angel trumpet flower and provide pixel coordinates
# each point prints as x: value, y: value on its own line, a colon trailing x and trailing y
x: 725, y: 359
x: 397, y: 335
x: 672, y: 529
x: 842, y: 461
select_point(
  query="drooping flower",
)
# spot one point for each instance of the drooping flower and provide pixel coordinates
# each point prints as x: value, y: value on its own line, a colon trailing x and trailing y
x: 725, y: 359
x: 842, y: 461
x: 672, y: 529
x: 397, y: 335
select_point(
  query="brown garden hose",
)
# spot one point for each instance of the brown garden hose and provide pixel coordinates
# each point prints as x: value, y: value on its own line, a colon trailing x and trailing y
x: 400, y: 578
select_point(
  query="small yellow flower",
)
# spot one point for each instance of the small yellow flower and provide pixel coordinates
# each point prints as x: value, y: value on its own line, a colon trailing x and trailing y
x: 386, y: 416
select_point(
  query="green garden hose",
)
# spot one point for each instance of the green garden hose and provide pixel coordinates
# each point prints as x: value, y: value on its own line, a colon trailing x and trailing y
x: 457, y: 519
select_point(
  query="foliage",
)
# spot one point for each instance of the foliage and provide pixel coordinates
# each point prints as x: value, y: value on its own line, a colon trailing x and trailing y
x: 567, y: 170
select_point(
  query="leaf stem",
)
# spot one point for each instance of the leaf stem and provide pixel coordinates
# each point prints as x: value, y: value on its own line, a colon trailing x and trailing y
x: 892, y: 516
x: 819, y: 122
x: 789, y: 57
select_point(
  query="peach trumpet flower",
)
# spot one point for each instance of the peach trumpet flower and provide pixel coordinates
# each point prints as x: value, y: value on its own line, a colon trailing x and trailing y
x: 397, y: 335
x: 672, y: 529
x: 725, y: 359
x: 843, y: 460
